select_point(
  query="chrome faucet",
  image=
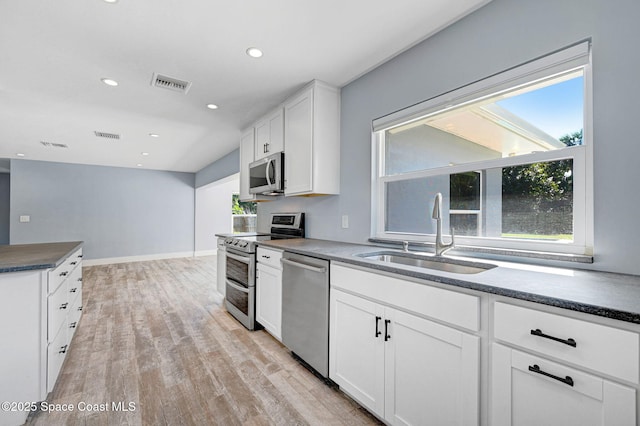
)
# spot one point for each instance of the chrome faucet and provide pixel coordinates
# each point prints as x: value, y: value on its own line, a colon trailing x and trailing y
x: 441, y: 247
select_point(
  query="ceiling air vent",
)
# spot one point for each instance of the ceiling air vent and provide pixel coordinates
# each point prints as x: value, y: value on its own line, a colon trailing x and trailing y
x: 53, y: 144
x: 170, y: 83
x: 106, y: 135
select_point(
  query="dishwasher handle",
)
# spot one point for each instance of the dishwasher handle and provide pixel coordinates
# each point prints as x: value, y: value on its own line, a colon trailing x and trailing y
x: 320, y: 270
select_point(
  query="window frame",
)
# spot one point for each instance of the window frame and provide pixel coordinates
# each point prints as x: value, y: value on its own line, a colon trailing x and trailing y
x: 560, y: 62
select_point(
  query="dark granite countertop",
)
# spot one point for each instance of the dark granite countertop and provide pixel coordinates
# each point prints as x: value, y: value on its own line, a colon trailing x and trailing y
x: 604, y: 294
x: 28, y: 257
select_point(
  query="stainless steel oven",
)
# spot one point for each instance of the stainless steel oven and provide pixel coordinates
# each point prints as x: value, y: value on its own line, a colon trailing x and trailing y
x: 240, y: 263
x: 240, y: 286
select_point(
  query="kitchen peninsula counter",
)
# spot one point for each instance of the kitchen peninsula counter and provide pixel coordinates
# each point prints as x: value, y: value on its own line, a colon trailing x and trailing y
x: 30, y: 257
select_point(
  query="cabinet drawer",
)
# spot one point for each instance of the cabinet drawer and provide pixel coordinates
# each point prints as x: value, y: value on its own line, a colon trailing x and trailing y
x: 75, y: 260
x: 57, y: 308
x: 269, y: 257
x: 64, y: 270
x: 601, y: 348
x: 58, y: 275
x: 56, y: 351
x: 73, y: 318
x: 74, y: 285
x: 444, y: 305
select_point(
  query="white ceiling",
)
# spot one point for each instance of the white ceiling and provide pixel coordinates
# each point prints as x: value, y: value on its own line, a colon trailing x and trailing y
x: 54, y: 53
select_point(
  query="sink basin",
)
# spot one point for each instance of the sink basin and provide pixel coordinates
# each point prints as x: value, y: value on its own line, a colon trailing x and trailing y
x: 445, y: 264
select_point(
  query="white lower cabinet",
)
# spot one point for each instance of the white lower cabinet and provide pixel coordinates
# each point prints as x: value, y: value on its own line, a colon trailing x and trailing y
x: 529, y: 390
x: 541, y: 380
x: 39, y: 312
x: 269, y: 291
x: 405, y: 369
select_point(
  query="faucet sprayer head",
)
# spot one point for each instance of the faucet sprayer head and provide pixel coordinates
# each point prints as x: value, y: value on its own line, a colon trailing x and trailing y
x: 437, y: 207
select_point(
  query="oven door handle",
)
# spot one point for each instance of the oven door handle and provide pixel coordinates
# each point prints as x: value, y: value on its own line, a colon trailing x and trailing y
x: 242, y: 259
x: 303, y: 266
x: 237, y: 287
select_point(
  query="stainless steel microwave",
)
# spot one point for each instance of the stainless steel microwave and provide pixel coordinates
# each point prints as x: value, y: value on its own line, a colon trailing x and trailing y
x: 266, y: 175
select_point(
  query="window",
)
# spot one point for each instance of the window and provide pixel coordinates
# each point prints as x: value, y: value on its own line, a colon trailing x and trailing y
x: 245, y: 218
x: 510, y: 155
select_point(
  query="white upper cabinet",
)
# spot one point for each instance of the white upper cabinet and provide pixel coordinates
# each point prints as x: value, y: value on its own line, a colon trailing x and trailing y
x: 246, y: 157
x: 312, y: 141
x: 307, y: 129
x: 269, y: 135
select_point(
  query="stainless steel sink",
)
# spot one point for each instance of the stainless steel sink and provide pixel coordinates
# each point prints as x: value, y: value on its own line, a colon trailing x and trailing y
x: 456, y: 266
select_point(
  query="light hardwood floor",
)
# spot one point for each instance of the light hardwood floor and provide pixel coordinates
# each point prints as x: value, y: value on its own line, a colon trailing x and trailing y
x: 155, y: 334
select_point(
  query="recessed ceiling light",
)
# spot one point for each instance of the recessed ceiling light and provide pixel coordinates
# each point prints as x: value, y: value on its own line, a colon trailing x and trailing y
x: 109, y: 82
x: 154, y: 135
x: 139, y: 165
x: 111, y: 1
x: 145, y: 153
x: 254, y: 52
x: 212, y: 106
x: 19, y: 154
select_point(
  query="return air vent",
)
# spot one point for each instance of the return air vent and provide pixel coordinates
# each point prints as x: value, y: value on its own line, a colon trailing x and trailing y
x: 170, y: 83
x: 53, y: 144
x: 106, y: 135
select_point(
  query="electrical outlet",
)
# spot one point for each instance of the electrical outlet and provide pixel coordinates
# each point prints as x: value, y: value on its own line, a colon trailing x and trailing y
x: 345, y: 221
x: 25, y: 219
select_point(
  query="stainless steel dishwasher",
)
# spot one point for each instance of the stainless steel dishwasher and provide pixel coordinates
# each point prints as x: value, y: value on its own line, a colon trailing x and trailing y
x: 305, y: 309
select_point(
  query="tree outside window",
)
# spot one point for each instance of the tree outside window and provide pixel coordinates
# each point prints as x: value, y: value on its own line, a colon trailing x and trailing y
x: 244, y: 215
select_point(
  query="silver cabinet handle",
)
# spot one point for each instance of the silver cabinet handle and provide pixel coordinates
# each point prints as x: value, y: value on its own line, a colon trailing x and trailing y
x: 320, y: 270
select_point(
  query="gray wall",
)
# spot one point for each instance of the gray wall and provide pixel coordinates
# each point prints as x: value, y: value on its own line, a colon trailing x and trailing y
x: 117, y: 212
x: 4, y: 208
x: 501, y: 35
x: 226, y: 166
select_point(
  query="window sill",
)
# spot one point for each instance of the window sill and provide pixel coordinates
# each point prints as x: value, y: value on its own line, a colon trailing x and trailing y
x: 491, y: 251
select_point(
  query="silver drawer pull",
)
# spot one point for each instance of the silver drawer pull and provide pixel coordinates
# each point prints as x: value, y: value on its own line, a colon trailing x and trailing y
x: 63, y: 349
x: 73, y: 325
x: 64, y: 305
x: 64, y: 274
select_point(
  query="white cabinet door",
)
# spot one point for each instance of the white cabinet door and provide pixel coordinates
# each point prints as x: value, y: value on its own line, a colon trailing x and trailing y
x: 298, y: 132
x: 356, y: 349
x: 246, y: 158
x: 528, y: 390
x: 403, y: 368
x: 269, y: 299
x: 269, y: 135
x: 432, y: 373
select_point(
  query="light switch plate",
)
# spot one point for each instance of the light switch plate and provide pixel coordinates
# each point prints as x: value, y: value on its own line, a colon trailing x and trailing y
x: 345, y: 221
x: 25, y: 219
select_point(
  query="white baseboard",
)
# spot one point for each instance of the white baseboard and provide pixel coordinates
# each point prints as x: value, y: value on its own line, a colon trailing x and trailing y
x: 159, y: 256
x: 206, y: 252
